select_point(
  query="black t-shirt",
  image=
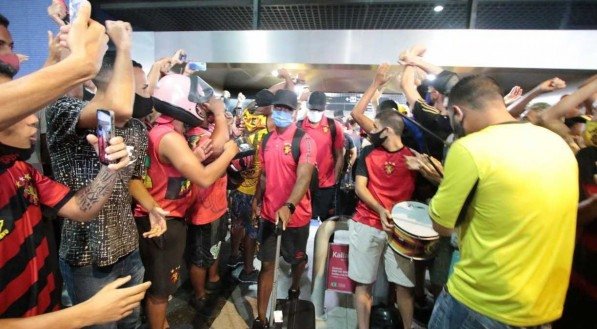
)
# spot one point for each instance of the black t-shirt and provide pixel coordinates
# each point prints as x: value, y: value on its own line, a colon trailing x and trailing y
x: 430, y: 118
x: 348, y: 142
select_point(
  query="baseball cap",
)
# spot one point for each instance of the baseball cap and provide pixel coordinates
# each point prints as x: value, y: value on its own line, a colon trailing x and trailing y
x: 264, y: 97
x: 317, y: 101
x: 287, y: 98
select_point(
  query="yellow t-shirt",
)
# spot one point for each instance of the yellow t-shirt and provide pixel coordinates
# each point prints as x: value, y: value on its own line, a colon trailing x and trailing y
x: 251, y: 175
x: 517, y: 233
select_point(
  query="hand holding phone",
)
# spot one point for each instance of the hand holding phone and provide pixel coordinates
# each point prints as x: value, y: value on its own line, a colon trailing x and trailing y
x: 105, y: 132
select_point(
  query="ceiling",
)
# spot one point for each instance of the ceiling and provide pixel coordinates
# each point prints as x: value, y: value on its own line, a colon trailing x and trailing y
x: 218, y: 15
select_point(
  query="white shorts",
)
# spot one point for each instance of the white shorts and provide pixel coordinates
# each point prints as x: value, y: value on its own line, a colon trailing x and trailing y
x: 367, y: 246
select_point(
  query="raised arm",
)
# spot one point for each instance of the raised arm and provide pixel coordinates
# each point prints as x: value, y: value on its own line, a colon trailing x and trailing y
x: 287, y: 84
x: 358, y: 112
x: 518, y: 107
x: 119, y: 93
x: 87, y: 41
x: 174, y: 148
x: 220, y: 134
x: 89, y: 200
x: 408, y: 85
x: 559, y: 110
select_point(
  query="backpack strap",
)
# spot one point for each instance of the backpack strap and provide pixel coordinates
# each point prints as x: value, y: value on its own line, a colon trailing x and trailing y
x: 296, y: 144
x: 332, y: 125
x: 264, y: 141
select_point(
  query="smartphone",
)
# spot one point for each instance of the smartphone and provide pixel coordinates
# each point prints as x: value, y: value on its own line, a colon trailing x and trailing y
x: 105, y: 132
x: 73, y: 8
x: 197, y: 66
x: 182, y: 57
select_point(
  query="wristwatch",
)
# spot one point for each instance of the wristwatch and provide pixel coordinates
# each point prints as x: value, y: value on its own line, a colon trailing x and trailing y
x: 290, y: 206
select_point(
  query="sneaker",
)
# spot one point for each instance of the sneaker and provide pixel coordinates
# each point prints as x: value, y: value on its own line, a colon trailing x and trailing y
x: 293, y: 294
x: 258, y: 324
x: 201, y: 305
x: 213, y: 288
x: 235, y: 261
x: 250, y: 278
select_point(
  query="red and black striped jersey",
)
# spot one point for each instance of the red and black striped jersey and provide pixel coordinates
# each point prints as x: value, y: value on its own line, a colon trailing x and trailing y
x: 28, y: 285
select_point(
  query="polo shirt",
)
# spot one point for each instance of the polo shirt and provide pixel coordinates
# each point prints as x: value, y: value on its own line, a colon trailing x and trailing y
x: 28, y: 284
x: 280, y: 175
x: 321, y: 134
x: 388, y: 179
x: 209, y: 203
x: 516, y: 229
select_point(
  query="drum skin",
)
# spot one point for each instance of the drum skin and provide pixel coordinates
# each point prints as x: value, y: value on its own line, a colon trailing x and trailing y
x: 408, y: 243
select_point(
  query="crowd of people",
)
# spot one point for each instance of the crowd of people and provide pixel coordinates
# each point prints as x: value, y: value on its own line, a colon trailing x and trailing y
x: 510, y: 185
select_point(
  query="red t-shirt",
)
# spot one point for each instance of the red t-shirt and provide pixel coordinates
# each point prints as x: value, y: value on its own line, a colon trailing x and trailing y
x: 321, y: 134
x: 210, y: 203
x: 280, y: 171
x: 389, y: 181
x: 28, y: 284
x: 166, y: 185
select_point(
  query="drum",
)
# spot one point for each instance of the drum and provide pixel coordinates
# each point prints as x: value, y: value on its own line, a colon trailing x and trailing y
x: 413, y: 235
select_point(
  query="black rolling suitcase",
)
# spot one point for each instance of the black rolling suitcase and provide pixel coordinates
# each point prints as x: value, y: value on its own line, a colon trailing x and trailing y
x: 296, y: 313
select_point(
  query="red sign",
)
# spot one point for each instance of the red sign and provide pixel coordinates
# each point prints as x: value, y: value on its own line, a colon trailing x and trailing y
x: 337, y: 274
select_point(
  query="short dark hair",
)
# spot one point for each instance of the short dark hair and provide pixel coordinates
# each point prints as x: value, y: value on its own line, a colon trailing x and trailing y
x: 388, y: 104
x: 475, y: 92
x: 392, y: 119
x: 105, y: 73
x: 137, y: 64
x: 4, y: 21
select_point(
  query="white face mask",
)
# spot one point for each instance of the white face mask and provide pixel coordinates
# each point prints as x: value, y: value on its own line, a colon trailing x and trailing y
x: 314, y: 116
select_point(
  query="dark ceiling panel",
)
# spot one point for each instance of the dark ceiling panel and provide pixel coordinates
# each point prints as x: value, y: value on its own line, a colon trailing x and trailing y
x: 179, y: 15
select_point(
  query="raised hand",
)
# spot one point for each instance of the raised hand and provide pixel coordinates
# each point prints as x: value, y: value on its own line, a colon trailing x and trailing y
x: 117, y: 152
x: 121, y: 33
x: 552, y: 84
x: 57, y: 12
x: 86, y: 38
x: 382, y: 77
x: 514, y: 94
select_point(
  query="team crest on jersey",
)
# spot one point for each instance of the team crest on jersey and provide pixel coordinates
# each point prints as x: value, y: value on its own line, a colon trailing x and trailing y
x: 389, y: 167
x: 29, y: 191
x: 326, y: 129
x: 3, y: 230
x: 287, y: 148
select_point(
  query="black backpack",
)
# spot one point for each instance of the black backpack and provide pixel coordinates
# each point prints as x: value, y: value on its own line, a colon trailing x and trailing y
x: 295, y: 149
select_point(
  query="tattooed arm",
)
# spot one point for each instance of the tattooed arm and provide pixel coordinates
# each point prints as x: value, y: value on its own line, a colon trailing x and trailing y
x: 89, y: 200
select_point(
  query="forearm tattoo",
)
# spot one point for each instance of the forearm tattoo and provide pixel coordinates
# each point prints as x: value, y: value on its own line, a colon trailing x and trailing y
x: 99, y: 188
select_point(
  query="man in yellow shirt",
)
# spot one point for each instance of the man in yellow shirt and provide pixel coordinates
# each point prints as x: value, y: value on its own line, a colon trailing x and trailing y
x: 243, y: 228
x: 510, y: 191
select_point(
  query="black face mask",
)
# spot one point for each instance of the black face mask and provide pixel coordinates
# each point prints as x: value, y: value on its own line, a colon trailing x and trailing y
x: 457, y: 127
x: 376, y: 139
x: 10, y: 154
x: 142, y: 106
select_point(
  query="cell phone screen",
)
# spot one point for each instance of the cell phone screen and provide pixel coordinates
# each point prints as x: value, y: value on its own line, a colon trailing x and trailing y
x: 73, y: 8
x: 105, y: 126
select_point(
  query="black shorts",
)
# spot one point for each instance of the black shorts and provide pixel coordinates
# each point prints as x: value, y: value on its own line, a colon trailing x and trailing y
x: 293, y: 247
x: 204, y: 242
x: 323, y: 202
x: 162, y: 256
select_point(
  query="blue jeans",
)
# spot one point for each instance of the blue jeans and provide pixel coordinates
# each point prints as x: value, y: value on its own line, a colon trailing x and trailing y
x: 85, y: 281
x: 448, y: 313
